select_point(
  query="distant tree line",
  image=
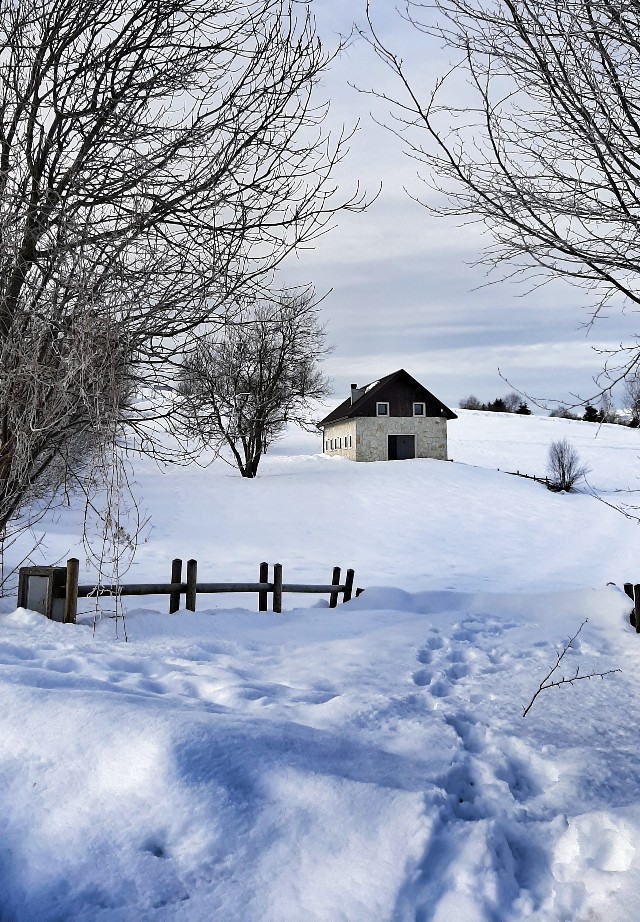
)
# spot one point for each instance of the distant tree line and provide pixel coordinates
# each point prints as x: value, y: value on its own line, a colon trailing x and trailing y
x: 605, y: 412
x: 510, y: 403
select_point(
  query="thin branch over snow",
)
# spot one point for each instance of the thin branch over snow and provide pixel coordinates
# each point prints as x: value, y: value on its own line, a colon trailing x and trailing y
x: 565, y: 681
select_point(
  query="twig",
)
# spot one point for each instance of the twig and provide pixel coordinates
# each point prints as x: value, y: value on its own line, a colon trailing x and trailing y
x: 563, y: 681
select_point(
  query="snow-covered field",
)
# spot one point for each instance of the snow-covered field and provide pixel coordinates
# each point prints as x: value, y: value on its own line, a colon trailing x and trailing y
x: 365, y: 764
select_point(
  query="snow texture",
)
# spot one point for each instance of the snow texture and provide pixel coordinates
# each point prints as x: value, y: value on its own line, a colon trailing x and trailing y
x: 367, y: 763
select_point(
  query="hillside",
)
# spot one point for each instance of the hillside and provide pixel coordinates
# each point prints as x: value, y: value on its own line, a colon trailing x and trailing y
x: 363, y: 764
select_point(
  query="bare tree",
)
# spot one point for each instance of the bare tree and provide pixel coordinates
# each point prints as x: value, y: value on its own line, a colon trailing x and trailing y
x: 632, y: 396
x: 157, y: 157
x: 62, y: 395
x: 244, y: 386
x: 471, y: 403
x: 512, y: 402
x: 563, y: 466
x: 538, y: 138
x: 564, y: 412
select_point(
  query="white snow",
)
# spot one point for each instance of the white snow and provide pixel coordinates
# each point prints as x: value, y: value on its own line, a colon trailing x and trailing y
x: 367, y: 763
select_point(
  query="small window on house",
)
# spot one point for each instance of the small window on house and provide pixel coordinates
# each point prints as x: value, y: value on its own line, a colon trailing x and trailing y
x: 382, y: 409
x: 326, y: 445
x: 418, y: 409
x: 339, y: 443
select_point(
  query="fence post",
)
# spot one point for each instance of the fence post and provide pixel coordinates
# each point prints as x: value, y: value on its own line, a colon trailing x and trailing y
x: 335, y: 581
x: 192, y: 578
x: 628, y: 588
x: 262, y: 594
x: 636, y: 606
x: 176, y: 577
x: 348, y: 586
x: 71, y: 591
x: 277, y: 587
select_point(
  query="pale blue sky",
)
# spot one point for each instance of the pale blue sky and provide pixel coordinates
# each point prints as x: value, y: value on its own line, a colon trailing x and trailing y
x: 403, y: 295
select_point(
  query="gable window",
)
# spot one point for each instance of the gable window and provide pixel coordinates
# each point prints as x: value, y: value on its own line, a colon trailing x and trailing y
x: 418, y: 409
x: 382, y: 409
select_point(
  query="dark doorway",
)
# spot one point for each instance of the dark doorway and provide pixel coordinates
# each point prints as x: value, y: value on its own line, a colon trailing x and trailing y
x: 402, y: 447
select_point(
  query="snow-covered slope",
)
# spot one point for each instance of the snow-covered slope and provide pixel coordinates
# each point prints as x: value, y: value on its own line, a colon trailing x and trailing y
x: 363, y: 764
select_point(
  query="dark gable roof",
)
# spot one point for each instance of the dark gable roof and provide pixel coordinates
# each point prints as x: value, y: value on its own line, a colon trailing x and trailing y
x: 375, y: 391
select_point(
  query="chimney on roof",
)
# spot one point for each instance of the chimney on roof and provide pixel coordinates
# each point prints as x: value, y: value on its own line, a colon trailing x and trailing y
x: 356, y: 393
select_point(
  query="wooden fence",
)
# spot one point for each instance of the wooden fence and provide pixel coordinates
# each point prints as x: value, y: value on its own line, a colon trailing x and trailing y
x: 54, y: 591
x: 633, y: 591
x: 544, y: 480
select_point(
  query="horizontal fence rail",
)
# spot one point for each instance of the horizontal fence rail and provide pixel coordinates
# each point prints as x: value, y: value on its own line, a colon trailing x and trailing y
x: 544, y: 480
x: 54, y: 591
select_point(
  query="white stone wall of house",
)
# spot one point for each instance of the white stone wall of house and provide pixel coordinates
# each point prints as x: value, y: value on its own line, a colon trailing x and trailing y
x: 372, y: 436
x: 340, y: 439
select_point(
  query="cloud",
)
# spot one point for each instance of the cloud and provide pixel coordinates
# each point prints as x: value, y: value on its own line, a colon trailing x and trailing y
x: 403, y: 290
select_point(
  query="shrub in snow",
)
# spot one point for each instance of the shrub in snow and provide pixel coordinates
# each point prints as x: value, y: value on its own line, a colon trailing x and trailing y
x: 563, y: 466
x: 564, y: 412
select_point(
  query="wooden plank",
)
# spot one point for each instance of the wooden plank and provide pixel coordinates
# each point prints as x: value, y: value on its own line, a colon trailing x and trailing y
x: 277, y: 587
x: 263, y: 600
x: 23, y: 582
x: 348, y: 586
x: 234, y: 587
x: 71, y: 591
x: 192, y: 579
x: 176, y: 577
x: 333, y: 598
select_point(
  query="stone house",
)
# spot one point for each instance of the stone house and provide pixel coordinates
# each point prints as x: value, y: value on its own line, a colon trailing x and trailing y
x: 388, y: 420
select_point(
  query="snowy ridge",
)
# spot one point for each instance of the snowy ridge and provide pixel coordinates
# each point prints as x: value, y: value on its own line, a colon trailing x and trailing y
x: 367, y: 763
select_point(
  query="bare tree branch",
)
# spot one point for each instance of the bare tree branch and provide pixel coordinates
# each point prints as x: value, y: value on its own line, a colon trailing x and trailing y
x: 158, y: 160
x: 535, y: 133
x: 554, y: 683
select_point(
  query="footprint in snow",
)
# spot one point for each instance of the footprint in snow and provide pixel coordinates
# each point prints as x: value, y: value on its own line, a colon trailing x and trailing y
x: 471, y: 734
x: 525, y: 773
x: 422, y: 677
x: 456, y: 671
x: 440, y: 689
x: 434, y: 643
x: 472, y: 629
